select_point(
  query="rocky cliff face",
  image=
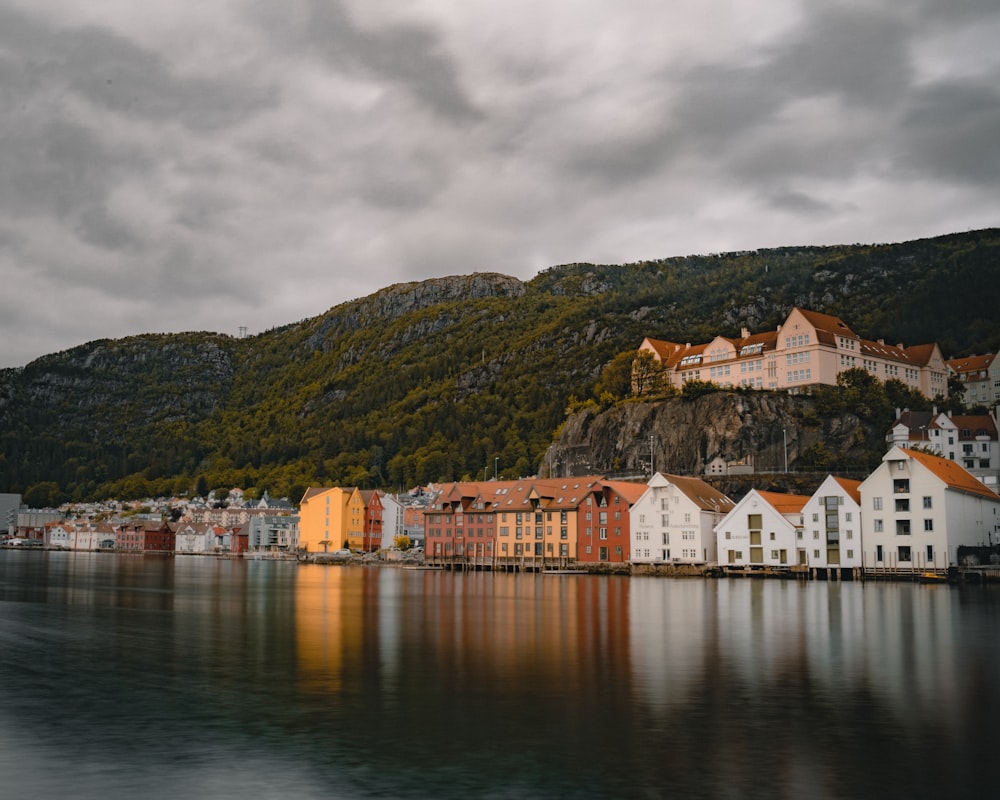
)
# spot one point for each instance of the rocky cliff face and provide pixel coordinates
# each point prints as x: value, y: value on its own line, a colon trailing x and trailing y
x: 685, y: 436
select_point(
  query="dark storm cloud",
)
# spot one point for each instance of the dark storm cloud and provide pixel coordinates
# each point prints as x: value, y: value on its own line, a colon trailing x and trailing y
x: 409, y: 56
x: 953, y: 131
x: 252, y: 163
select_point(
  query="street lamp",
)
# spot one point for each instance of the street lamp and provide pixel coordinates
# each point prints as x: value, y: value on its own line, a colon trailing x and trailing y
x: 784, y: 439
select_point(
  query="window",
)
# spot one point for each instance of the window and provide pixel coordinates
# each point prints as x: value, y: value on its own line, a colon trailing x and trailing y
x: 901, y: 485
x: 904, y: 553
x: 850, y: 554
x: 877, y: 526
x: 877, y: 503
x: 928, y: 503
x: 928, y: 524
x: 878, y: 553
x: 604, y: 533
x: 902, y: 527
x: 902, y: 505
x: 930, y: 554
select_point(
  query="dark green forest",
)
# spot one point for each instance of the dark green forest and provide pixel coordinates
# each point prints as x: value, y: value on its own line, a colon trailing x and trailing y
x: 443, y: 379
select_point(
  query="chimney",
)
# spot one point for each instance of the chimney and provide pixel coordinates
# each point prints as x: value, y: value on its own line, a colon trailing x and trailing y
x: 744, y: 333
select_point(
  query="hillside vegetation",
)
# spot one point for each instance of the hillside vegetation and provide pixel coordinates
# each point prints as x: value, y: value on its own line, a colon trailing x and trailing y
x: 445, y: 378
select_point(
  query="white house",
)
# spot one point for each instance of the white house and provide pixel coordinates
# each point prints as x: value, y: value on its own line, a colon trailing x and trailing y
x: 971, y: 440
x: 918, y: 508
x: 831, y: 525
x: 392, y: 519
x: 764, y: 529
x: 194, y: 537
x: 673, y: 520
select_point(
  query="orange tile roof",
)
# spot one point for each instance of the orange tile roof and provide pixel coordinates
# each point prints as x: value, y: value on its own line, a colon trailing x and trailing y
x: 827, y: 323
x: 784, y: 503
x: 953, y: 475
x: 970, y: 363
x: 661, y: 348
x: 630, y: 490
x: 853, y: 488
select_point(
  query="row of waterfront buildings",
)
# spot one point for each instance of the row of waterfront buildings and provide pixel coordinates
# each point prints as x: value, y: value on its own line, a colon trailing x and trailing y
x: 913, y: 512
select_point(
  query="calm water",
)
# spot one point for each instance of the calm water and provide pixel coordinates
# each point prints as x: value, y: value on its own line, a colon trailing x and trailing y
x: 131, y: 677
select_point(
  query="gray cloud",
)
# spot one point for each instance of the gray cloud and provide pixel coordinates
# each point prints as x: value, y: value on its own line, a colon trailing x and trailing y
x: 210, y: 166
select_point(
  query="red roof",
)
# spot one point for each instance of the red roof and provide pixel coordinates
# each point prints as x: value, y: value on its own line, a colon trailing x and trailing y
x: 853, y: 488
x: 953, y: 475
x: 784, y: 503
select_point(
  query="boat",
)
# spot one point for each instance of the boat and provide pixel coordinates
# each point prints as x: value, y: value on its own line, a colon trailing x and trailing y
x: 933, y: 577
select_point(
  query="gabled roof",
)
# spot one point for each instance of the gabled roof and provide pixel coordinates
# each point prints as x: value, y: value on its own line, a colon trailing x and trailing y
x: 851, y: 487
x: 702, y: 494
x: 519, y: 495
x: 950, y: 472
x: 970, y: 426
x: 784, y: 503
x: 921, y: 353
x: 312, y: 492
x: 970, y: 363
x: 827, y: 324
x: 661, y: 348
x: 630, y: 490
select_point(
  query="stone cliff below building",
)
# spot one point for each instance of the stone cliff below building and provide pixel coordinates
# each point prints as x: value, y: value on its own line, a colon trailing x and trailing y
x: 722, y: 434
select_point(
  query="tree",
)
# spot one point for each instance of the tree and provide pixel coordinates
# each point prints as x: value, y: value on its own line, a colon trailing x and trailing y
x: 42, y: 495
x: 616, y: 377
x: 401, y: 542
x: 647, y: 374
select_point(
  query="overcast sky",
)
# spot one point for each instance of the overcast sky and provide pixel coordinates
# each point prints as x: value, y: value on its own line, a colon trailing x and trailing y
x: 171, y: 166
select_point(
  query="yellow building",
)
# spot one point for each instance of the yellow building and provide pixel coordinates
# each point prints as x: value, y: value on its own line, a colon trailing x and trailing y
x: 331, y: 519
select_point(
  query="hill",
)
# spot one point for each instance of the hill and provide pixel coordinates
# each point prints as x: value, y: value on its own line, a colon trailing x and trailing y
x: 442, y: 379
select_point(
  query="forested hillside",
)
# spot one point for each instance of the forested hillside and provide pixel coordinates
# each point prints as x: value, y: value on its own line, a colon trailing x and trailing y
x: 446, y: 378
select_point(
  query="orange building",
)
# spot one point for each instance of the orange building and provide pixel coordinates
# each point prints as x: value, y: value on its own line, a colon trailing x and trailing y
x: 331, y: 519
x: 533, y: 523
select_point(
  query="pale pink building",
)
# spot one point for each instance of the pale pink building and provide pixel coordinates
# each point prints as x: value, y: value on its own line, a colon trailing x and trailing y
x: 808, y: 348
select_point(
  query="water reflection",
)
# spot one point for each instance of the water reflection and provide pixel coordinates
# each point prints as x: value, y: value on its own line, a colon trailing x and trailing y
x: 233, y: 679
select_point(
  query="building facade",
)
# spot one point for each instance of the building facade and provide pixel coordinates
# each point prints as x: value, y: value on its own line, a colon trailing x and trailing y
x: 808, y: 348
x: 980, y: 375
x: 764, y: 529
x: 918, y: 508
x: 674, y: 521
x: 831, y: 525
x: 331, y: 519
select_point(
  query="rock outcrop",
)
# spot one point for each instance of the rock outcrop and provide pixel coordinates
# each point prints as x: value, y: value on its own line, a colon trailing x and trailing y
x: 730, y: 431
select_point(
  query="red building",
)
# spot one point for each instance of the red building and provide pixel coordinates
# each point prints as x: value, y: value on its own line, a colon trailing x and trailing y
x: 372, y: 530
x: 604, y: 532
x: 145, y: 536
